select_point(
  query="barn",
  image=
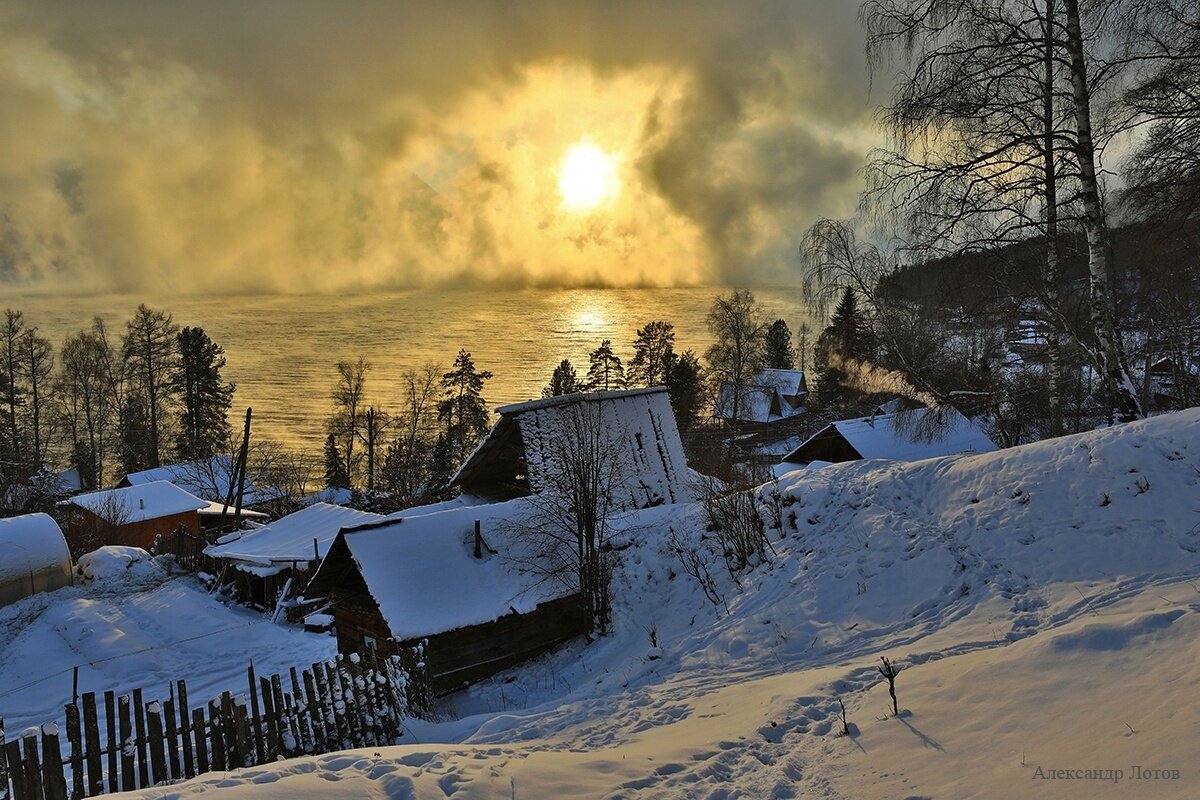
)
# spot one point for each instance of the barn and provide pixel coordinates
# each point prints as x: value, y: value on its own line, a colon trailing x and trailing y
x: 516, y: 457
x: 909, y: 435
x: 35, y: 557
x: 133, y: 516
x: 277, y: 559
x: 446, y: 577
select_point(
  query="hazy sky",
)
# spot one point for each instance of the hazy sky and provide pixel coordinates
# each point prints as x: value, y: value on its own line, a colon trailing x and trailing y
x: 322, y: 146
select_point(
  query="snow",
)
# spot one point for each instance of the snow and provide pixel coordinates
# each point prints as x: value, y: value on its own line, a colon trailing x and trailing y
x: 903, y: 436
x: 422, y: 571
x: 138, y: 503
x: 134, y: 626
x: 1042, y: 603
x: 212, y: 508
x: 290, y: 538
x: 33, y: 556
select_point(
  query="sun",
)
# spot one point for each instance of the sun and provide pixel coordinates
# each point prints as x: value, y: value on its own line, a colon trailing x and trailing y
x: 587, y: 177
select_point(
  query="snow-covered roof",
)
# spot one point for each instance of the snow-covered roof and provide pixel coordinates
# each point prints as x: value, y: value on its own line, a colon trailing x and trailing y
x: 207, y: 478
x: 212, y: 508
x: 336, y: 495
x: 765, y: 398
x: 422, y: 572
x: 519, y: 455
x: 33, y: 556
x: 137, y: 503
x: 906, y: 435
x: 291, y: 538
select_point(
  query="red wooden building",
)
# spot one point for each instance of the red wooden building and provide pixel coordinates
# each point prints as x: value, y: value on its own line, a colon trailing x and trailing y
x: 134, y: 516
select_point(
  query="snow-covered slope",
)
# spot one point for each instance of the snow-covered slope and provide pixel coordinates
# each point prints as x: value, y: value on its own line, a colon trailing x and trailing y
x: 1041, y: 601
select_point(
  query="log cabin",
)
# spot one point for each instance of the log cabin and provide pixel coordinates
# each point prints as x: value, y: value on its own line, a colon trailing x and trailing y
x: 447, y: 578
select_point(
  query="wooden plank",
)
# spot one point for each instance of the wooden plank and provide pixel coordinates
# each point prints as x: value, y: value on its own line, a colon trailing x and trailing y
x: 75, y: 737
x: 16, y: 770
x: 154, y: 732
x: 4, y: 794
x: 172, y: 747
x: 229, y: 732
x: 335, y: 728
x: 256, y: 720
x: 125, y: 729
x: 33, y: 769
x: 243, y: 746
x: 110, y: 737
x: 200, y: 730
x: 270, y: 722
x: 189, y: 765
x: 314, y: 714
x: 139, y: 727
x: 217, y: 739
x: 350, y: 700
x: 54, y: 782
x: 294, y: 732
x: 91, y: 750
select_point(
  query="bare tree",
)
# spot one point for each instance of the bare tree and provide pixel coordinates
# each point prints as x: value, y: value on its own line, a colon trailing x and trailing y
x: 37, y: 368
x: 348, y: 400
x: 739, y: 350
x: 150, y: 355
x: 567, y: 536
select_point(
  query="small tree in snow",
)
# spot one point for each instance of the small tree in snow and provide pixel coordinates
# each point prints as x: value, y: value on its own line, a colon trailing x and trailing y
x: 889, y: 671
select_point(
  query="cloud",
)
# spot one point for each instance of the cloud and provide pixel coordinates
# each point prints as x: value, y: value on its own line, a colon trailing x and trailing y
x: 301, y: 145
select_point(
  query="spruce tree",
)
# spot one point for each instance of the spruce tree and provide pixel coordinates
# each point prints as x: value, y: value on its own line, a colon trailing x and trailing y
x: 780, y: 354
x: 847, y: 337
x: 463, y: 410
x: 203, y: 420
x: 335, y: 468
x: 606, y: 372
x: 564, y: 380
x: 685, y: 386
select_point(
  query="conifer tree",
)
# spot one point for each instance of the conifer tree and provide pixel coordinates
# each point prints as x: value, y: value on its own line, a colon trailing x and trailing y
x: 653, y: 350
x: 564, y: 380
x: 685, y: 385
x: 606, y: 372
x: 780, y: 354
x: 203, y: 420
x: 848, y: 336
x: 335, y: 468
x: 463, y: 410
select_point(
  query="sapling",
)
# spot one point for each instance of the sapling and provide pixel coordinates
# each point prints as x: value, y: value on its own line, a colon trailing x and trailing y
x: 845, y: 725
x: 889, y: 671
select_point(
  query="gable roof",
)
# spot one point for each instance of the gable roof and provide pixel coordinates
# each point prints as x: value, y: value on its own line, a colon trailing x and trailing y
x: 906, y: 435
x: 763, y: 400
x: 138, y: 503
x: 291, y: 538
x: 517, y: 455
x: 208, y: 478
x: 422, y: 573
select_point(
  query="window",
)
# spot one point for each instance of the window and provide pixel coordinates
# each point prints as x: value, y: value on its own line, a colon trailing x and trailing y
x: 369, y: 644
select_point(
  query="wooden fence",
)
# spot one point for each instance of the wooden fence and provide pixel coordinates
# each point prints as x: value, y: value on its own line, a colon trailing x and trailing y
x: 334, y: 705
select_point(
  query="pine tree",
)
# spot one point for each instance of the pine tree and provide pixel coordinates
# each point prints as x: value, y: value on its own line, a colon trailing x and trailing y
x: 463, y: 410
x: 653, y: 350
x: 563, y: 381
x: 685, y: 386
x: 203, y: 421
x: 335, y: 469
x: 848, y: 336
x: 780, y: 354
x: 606, y: 372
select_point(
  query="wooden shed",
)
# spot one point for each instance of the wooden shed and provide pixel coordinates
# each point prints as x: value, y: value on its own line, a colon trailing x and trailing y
x: 515, y: 457
x: 134, y: 516
x: 265, y: 563
x: 426, y: 577
x: 33, y: 557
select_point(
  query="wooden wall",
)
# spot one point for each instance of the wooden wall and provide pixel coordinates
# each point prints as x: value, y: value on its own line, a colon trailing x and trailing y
x: 85, y: 531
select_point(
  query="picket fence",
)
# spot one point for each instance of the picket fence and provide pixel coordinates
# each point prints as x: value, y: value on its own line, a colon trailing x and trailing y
x: 351, y: 701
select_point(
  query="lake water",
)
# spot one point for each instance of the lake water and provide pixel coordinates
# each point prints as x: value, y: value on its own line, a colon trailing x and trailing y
x: 282, y: 348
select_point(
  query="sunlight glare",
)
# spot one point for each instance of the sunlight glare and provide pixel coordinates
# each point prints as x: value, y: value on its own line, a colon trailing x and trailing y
x: 587, y: 177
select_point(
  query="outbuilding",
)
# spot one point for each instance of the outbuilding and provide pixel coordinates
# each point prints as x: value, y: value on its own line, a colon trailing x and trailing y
x: 134, y: 516
x: 33, y: 557
x: 772, y: 396
x: 448, y: 578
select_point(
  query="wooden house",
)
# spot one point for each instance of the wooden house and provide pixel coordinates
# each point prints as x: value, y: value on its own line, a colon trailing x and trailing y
x: 33, y: 557
x: 278, y: 558
x: 909, y: 435
x: 771, y: 397
x: 444, y: 578
x: 134, y: 516
x: 518, y: 455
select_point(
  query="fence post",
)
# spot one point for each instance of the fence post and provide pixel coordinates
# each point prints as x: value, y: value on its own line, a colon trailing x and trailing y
x: 139, y: 728
x: 33, y: 769
x: 314, y: 713
x: 54, y: 783
x: 189, y: 766
x: 270, y: 721
x: 154, y: 730
x: 125, y: 731
x: 3, y: 765
x: 91, y: 731
x: 110, y: 734
x: 199, y: 728
x: 260, y: 755
x: 172, y: 739
x: 76, y: 740
x: 217, y: 727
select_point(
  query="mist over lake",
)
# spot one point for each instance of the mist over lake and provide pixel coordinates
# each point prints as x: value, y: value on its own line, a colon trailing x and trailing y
x: 282, y: 349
